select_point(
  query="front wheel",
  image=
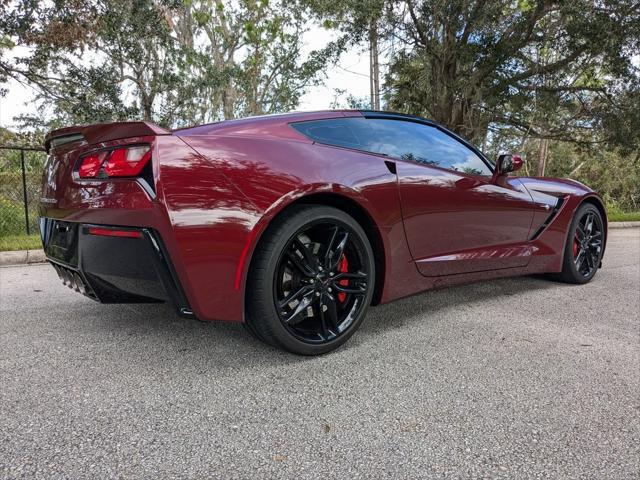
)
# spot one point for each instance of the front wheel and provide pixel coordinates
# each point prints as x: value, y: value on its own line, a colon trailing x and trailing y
x: 584, y: 247
x: 311, y: 280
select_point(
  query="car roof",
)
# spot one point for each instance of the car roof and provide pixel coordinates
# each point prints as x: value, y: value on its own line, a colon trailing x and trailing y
x: 273, y: 119
x: 289, y: 117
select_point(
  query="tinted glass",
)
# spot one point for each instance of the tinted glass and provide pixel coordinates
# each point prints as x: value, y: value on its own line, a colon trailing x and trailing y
x: 396, y: 138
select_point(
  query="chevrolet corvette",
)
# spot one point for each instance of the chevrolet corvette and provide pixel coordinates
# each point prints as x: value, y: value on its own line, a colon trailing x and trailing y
x: 295, y: 224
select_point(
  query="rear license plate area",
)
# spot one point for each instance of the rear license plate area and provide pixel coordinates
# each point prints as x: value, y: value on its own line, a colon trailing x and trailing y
x: 60, y: 241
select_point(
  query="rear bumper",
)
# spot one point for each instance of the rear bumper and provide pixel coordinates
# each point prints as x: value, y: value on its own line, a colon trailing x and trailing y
x: 113, y: 264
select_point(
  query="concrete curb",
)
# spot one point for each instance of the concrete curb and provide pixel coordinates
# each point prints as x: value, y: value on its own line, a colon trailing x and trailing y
x: 624, y: 224
x: 21, y: 257
x: 25, y: 257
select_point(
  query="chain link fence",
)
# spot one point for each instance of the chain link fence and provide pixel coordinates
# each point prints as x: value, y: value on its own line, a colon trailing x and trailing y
x: 20, y: 178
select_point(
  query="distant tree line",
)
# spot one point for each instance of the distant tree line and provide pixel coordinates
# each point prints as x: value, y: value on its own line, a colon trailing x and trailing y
x: 556, y: 79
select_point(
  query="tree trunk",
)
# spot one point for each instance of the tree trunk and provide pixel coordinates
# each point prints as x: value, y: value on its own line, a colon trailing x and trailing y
x: 542, y: 156
x: 146, y: 101
x: 228, y: 103
x: 374, y: 66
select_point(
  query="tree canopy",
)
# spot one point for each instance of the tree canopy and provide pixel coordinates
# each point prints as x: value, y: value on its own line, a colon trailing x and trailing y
x: 549, y: 69
x: 168, y: 61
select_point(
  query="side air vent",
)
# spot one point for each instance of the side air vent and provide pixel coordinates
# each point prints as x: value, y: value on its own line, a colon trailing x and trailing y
x: 549, y: 219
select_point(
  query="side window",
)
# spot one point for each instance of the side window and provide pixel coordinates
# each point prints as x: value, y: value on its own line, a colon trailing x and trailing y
x: 424, y: 144
x: 334, y: 131
x: 398, y: 139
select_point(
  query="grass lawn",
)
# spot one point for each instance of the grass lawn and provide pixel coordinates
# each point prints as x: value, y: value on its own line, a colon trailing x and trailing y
x: 624, y: 217
x: 20, y: 242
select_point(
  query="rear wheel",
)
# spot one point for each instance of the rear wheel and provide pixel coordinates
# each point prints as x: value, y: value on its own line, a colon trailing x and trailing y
x: 584, y: 247
x: 311, y: 280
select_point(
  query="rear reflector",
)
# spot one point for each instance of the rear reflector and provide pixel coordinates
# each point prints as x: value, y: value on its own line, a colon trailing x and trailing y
x: 110, y: 232
x: 118, y: 162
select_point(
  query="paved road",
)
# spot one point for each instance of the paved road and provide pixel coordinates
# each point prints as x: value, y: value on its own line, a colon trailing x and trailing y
x: 517, y: 378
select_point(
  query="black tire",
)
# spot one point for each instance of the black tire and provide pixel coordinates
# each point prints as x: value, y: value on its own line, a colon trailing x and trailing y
x: 583, y: 250
x: 248, y: 326
x: 326, y: 305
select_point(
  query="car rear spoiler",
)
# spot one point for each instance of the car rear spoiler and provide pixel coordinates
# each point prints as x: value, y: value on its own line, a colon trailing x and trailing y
x: 101, y: 132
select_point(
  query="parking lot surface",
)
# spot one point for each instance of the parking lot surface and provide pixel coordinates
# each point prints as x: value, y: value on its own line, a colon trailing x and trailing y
x: 514, y: 378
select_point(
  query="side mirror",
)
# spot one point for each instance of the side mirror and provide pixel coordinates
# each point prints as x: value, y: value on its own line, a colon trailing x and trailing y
x: 508, y: 163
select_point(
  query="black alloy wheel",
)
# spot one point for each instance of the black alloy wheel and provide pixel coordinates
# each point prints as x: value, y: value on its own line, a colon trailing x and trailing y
x: 318, y: 265
x: 585, y: 245
x: 320, y: 282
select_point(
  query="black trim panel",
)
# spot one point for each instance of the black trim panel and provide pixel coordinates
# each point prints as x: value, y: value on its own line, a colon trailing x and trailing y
x: 112, y: 269
x: 391, y: 166
x: 549, y: 219
x: 168, y: 275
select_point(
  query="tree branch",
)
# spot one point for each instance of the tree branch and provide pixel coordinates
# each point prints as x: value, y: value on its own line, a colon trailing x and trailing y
x: 539, y: 69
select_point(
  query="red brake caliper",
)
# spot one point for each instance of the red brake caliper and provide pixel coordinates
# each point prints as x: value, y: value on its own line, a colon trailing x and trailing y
x: 343, y: 267
x: 575, y: 246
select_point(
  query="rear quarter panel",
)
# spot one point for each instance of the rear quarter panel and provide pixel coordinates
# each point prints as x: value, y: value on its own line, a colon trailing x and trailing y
x: 217, y: 236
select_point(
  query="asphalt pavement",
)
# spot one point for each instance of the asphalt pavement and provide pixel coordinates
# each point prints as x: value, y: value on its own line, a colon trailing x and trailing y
x: 514, y: 378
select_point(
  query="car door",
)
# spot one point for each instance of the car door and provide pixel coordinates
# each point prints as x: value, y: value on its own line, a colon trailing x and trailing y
x: 456, y: 218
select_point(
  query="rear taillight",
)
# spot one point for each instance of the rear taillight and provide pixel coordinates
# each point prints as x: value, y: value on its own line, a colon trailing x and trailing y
x: 91, y: 164
x: 117, y: 162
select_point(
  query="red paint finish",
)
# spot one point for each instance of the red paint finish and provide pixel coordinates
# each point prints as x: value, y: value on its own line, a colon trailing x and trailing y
x: 218, y: 187
x: 466, y: 217
x: 242, y: 262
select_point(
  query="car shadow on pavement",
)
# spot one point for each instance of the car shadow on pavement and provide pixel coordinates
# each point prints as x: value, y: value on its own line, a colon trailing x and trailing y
x: 228, y: 346
x: 426, y: 306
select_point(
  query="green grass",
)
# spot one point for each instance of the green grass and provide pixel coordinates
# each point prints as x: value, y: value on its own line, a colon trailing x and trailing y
x: 624, y: 216
x: 20, y: 242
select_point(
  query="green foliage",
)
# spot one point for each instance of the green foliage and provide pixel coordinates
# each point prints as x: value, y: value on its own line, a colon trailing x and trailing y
x: 25, y: 138
x: 548, y: 69
x: 11, y: 217
x: 615, y: 174
x: 12, y: 220
x: 256, y: 51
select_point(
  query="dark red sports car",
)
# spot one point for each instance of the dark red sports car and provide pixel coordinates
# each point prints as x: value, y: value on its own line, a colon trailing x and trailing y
x: 294, y: 224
